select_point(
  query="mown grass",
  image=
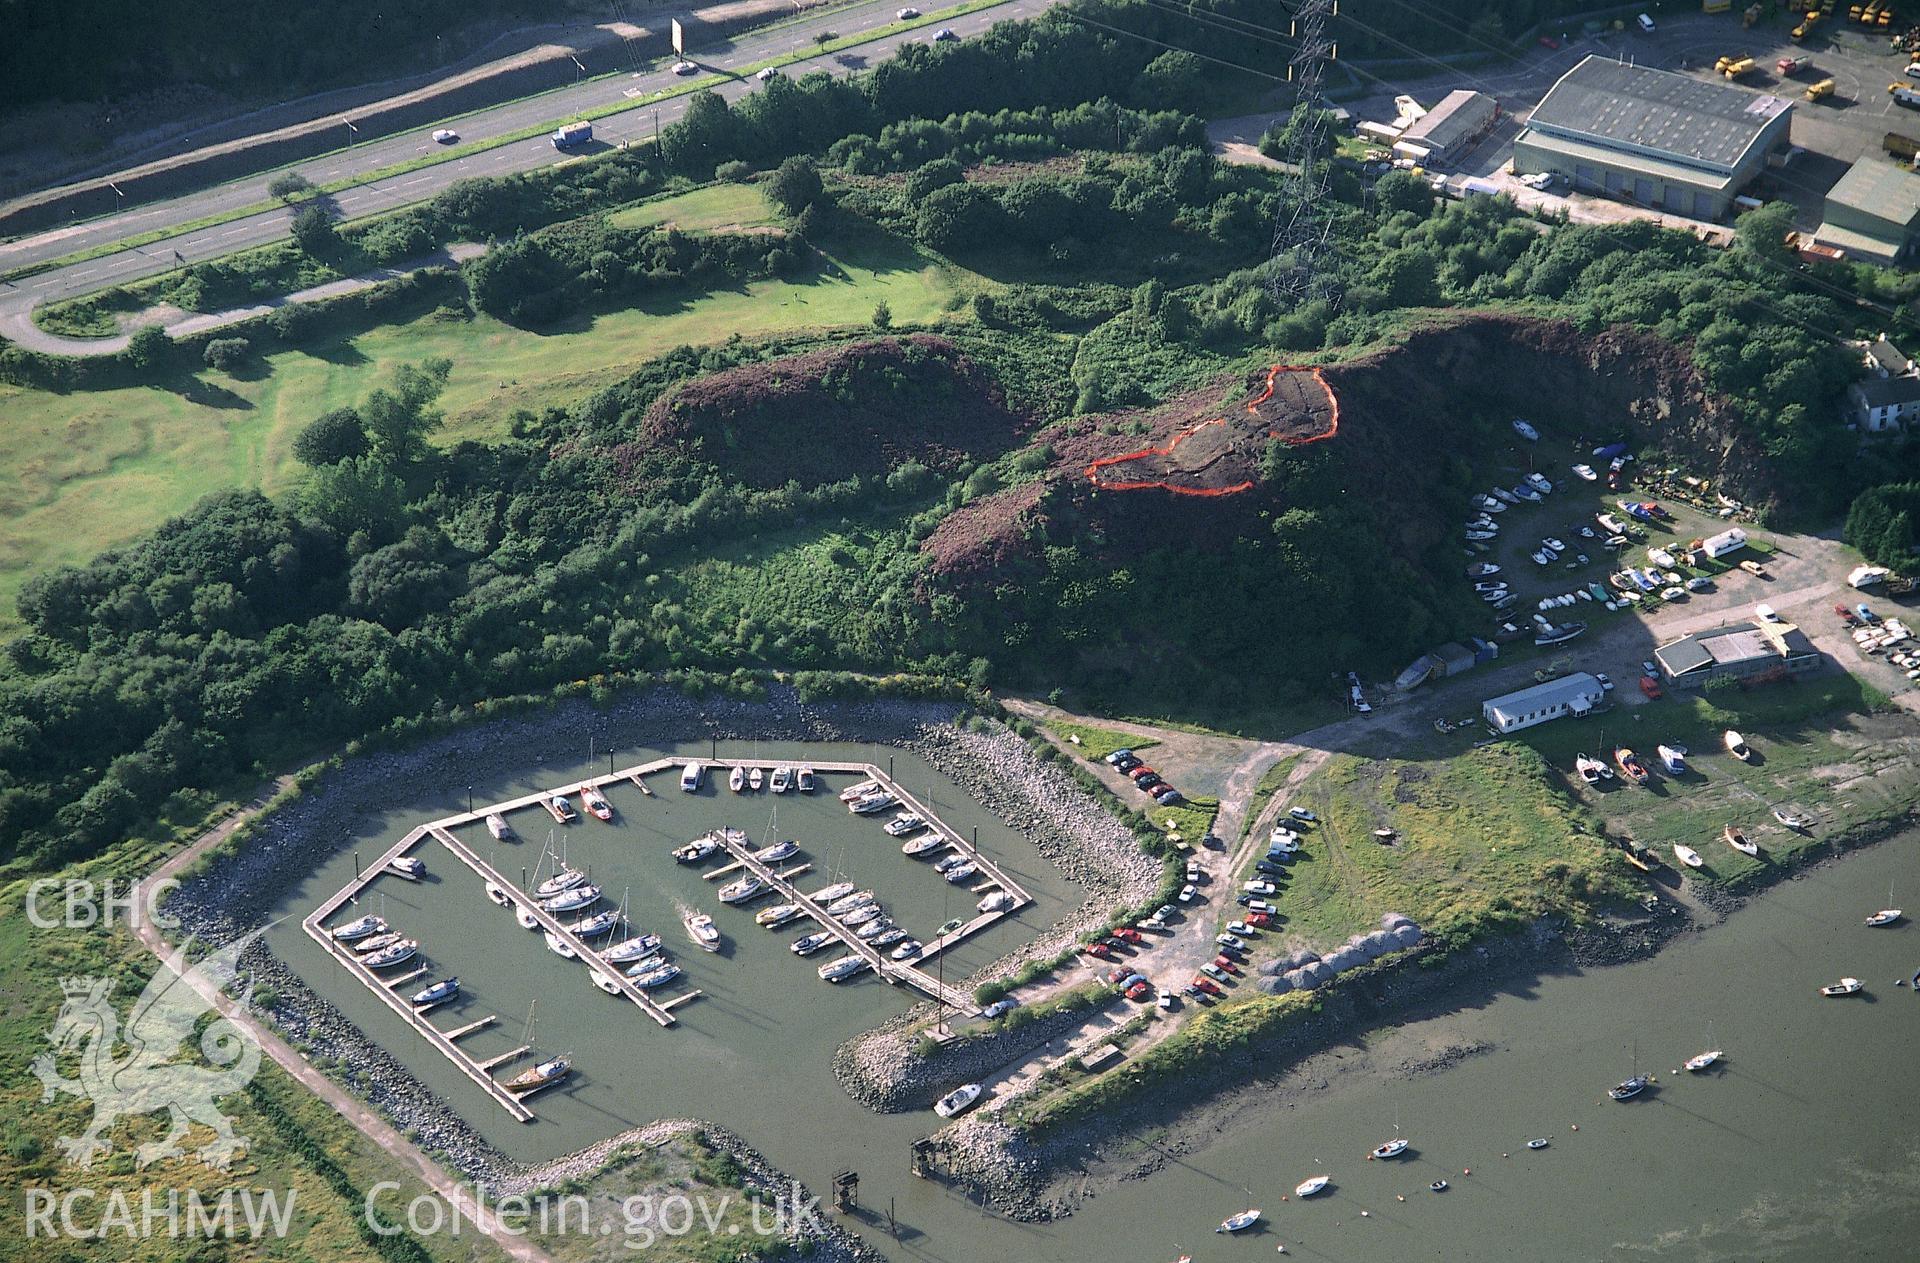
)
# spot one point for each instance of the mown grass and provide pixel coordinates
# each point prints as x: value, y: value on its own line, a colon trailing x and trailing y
x: 1190, y: 820
x: 1481, y: 840
x: 1271, y: 782
x: 706, y: 209
x: 1094, y: 743
x: 83, y: 471
x: 1816, y: 751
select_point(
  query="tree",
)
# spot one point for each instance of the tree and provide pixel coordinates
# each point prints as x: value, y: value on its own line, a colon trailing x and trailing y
x: 706, y: 135
x: 331, y: 438
x: 149, y: 347
x: 930, y: 176
x: 957, y: 217
x: 882, y: 316
x: 1174, y: 80
x: 398, y: 418
x: 288, y: 185
x: 227, y: 354
x: 1403, y: 191
x: 313, y: 231
x: 360, y: 494
x: 795, y: 185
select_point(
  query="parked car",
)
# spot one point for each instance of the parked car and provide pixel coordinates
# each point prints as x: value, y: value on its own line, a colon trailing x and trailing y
x: 1164, y: 1000
x: 1206, y: 985
x: 1269, y: 867
x: 1229, y: 940
x: 1146, y: 783
x: 1651, y: 687
x: 1188, y: 893
x: 1006, y: 1005
x: 1649, y: 667
x: 1117, y: 973
x: 1140, y: 991
x: 1699, y: 583
x: 1127, y: 933
x: 1550, y: 43
x: 1166, y: 911
x: 1214, y: 971
x: 1239, y: 927
x: 1139, y: 770
x: 1259, y: 920
x: 1115, y: 756
x: 1169, y: 797
x: 1127, y: 764
x: 1866, y: 615
x: 1225, y: 964
x: 1606, y: 681
x: 1099, y: 951
x: 1260, y: 906
x: 1302, y: 814
x: 1754, y: 568
x: 1255, y: 886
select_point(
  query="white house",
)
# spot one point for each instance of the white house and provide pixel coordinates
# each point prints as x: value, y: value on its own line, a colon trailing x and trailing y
x: 1729, y: 541
x: 1884, y: 403
x: 1575, y: 694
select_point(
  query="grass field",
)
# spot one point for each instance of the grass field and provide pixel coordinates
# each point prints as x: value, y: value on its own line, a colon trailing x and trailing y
x: 84, y: 471
x: 1479, y: 838
x: 1094, y: 743
x: 706, y: 209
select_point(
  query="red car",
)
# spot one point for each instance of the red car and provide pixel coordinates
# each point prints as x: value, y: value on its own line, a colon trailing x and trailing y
x: 1550, y: 43
x: 1099, y: 951
x: 1226, y: 963
x: 1140, y: 991
x: 1203, y: 983
x: 1127, y: 934
x: 1117, y: 973
x: 1259, y: 920
x: 1651, y: 687
x: 1142, y: 770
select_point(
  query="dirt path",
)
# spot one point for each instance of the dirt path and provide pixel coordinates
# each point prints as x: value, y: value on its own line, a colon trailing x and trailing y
x: 357, y: 1112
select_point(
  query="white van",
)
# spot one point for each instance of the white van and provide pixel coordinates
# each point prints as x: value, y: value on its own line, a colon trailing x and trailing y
x: 690, y: 776
x: 1913, y: 70
x: 1646, y: 24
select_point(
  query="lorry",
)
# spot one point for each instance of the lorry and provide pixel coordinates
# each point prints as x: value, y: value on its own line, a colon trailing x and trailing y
x: 1733, y: 67
x: 572, y: 135
x: 1793, y: 65
x: 1900, y: 146
x: 1820, y: 91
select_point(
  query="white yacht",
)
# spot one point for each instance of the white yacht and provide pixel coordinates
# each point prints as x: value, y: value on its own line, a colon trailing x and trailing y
x: 782, y: 779
x: 701, y: 929
x: 844, y: 968
x: 691, y: 776
x: 957, y: 1101
x: 360, y: 928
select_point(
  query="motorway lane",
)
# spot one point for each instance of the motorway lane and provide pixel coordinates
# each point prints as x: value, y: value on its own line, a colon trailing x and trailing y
x: 418, y: 185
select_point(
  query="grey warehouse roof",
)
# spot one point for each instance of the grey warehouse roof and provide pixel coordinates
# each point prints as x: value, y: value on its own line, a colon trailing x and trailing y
x: 1879, y: 189
x: 1656, y: 111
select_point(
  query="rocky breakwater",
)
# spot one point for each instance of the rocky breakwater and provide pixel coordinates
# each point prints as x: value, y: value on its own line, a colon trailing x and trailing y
x: 887, y: 1068
x: 1306, y: 970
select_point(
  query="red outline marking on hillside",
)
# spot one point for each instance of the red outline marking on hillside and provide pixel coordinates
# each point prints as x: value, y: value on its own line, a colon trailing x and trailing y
x: 1253, y: 407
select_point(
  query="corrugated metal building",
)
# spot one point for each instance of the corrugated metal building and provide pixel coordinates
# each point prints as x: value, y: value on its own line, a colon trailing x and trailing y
x: 1739, y: 651
x: 1575, y: 694
x: 1873, y: 213
x: 1653, y: 137
x: 1450, y: 129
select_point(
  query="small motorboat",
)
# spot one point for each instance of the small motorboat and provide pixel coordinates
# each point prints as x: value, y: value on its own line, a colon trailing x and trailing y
x: 596, y: 802
x: 568, y: 900
x: 906, y: 951
x: 861, y: 915
x: 1739, y: 841
x: 778, y: 851
x: 1585, y: 473
x: 956, y: 1101
x: 1501, y: 493
x: 387, y: 957
x: 1673, y: 759
x: 776, y: 916
x: 1792, y: 819
x: 808, y: 944
x: 948, y: 927
x: 1591, y: 770
x: 960, y: 872
x: 1538, y: 1142
x: 925, y: 844
x: 1526, y: 431
x: 547, y: 1072
x: 1886, y: 916
x: 559, y: 946
x: 562, y: 809
x: 603, y: 982
x: 497, y: 825
x: 595, y: 925
x: 903, y: 824
x: 563, y: 879
x: 782, y: 779
x: 701, y: 929
x: 1737, y: 746
x: 844, y: 968
x: 854, y: 793
x: 1630, y: 766
x: 879, y: 800
x: 696, y: 850
x: 1846, y: 986
x: 657, y: 976
x: 690, y: 777
x: 1307, y: 1188
x: 803, y: 780
x: 378, y: 942
x: 737, y: 779
x: 1687, y: 855
x: 998, y: 901
x: 526, y: 918
x: 1240, y: 1222
x: 409, y: 866
x: 1392, y: 1149
x: 827, y: 894
x: 1700, y: 1061
x: 741, y: 891
x: 1439, y: 1186
x: 628, y: 950
x: 361, y: 928
x: 1629, y: 1089
x: 498, y: 894
x: 755, y: 779
x: 438, y: 993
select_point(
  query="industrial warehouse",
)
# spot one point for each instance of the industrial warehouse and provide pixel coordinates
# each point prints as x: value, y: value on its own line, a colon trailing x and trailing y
x: 1653, y: 137
x: 1754, y: 652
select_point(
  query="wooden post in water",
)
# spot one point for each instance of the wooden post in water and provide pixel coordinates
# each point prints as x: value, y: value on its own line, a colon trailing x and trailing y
x: 356, y: 866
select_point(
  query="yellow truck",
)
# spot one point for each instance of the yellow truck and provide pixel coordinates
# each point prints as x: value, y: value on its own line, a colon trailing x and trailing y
x: 1820, y: 91
x: 1715, y: 6
x: 1734, y: 67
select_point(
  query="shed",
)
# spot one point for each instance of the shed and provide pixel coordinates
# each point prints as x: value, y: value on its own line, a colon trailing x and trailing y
x: 1728, y: 541
x: 1452, y: 127
x: 1575, y: 694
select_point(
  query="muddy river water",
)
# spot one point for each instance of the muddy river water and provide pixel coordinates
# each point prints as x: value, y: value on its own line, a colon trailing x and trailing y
x: 1801, y: 1145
